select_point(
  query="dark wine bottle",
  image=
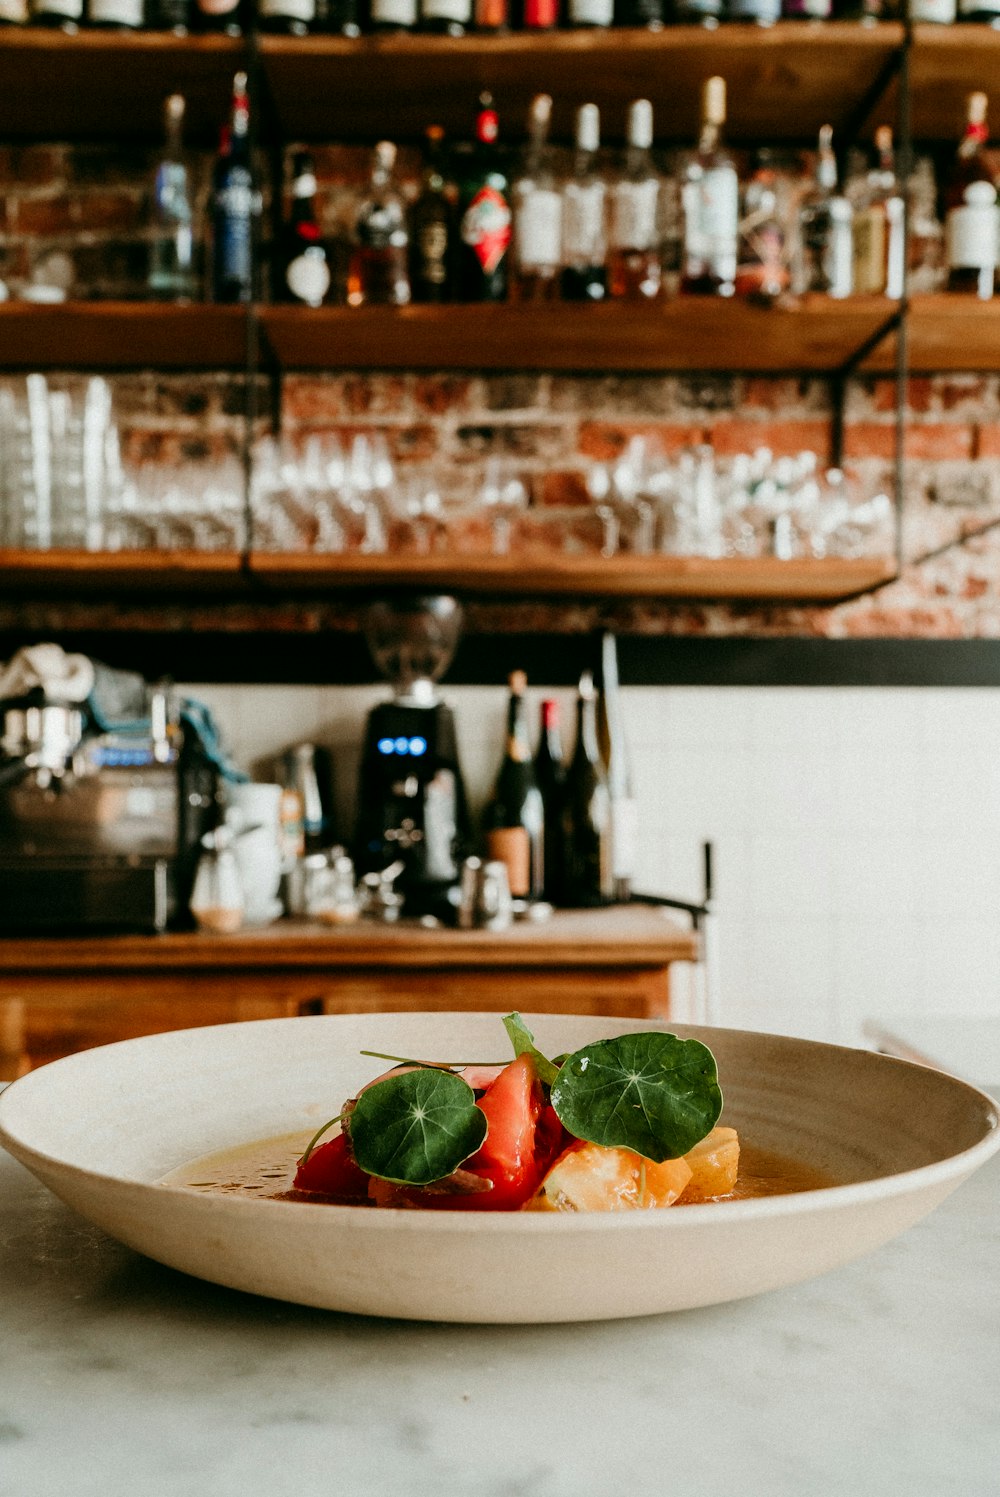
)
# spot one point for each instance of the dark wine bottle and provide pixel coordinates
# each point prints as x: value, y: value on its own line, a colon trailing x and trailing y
x: 235, y: 205
x: 514, y: 820
x: 432, y: 227
x: 587, y: 812
x: 623, y: 815
x: 302, y: 266
x: 550, y: 774
x: 484, y: 215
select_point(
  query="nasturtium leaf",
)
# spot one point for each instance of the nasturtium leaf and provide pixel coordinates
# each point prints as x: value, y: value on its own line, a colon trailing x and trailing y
x: 416, y: 1127
x: 523, y: 1041
x: 653, y: 1093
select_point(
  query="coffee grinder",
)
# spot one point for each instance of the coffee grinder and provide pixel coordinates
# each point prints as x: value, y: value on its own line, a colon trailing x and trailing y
x: 411, y: 798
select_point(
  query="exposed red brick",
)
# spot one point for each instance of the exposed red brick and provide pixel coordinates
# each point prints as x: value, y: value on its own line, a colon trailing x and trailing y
x: 604, y: 441
x: 781, y: 394
x: 566, y: 490
x: 919, y: 394
x: 439, y: 393
x: 784, y: 438
x: 988, y: 440
x: 311, y: 398
x: 937, y: 442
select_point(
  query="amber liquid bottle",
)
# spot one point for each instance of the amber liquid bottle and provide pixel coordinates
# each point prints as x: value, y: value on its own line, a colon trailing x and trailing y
x: 379, y: 271
x: 971, y: 224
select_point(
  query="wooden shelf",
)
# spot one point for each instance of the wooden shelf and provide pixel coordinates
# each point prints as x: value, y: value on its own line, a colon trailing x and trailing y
x: 684, y: 577
x: 681, y: 577
x: 121, y: 335
x: 814, y: 335
x: 784, y: 81
x: 945, y: 334
x: 104, y: 84
x: 120, y: 571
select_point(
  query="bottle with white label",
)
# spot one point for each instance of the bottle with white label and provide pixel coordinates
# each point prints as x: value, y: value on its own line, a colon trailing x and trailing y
x: 972, y: 225
x: 64, y: 14
x: 393, y: 15
x: 710, y: 201
x: 286, y: 17
x: 584, y: 277
x: 824, y: 260
x: 115, y: 15
x: 590, y: 13
x: 446, y: 17
x: 937, y: 12
x: 537, y: 203
x: 879, y: 226
x: 303, y: 266
x: 634, y: 269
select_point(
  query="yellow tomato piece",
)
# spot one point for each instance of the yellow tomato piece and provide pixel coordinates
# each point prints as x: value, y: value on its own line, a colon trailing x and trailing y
x: 592, y: 1178
x: 714, y: 1164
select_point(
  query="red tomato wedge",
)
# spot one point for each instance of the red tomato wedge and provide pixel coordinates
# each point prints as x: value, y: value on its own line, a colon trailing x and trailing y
x: 330, y: 1170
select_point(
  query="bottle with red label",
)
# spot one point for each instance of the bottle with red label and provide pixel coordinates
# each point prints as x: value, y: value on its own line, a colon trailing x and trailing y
x: 302, y: 269
x: 539, y: 15
x: 485, y: 219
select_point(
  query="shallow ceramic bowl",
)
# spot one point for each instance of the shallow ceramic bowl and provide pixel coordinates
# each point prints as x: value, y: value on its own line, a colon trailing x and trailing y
x: 103, y: 1127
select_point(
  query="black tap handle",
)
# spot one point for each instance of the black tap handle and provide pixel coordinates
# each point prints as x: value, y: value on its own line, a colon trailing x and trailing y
x: 708, y: 851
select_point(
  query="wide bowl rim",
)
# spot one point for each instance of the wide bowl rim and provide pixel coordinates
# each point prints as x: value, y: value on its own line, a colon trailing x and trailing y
x: 954, y: 1167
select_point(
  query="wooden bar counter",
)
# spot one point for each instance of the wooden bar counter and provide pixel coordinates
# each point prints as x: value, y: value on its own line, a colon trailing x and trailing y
x: 60, y: 994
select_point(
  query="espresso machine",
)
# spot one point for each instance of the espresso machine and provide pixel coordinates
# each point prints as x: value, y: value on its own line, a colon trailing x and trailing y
x: 101, y: 813
x: 412, y: 815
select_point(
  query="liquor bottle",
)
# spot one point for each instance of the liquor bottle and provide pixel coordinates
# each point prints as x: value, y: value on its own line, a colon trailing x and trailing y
x: 64, y: 14
x: 937, y: 12
x: 590, y: 13
x: 634, y: 270
x: 302, y: 266
x: 379, y: 272
x: 171, y: 251
x: 287, y: 17
x: 825, y: 248
x: 926, y: 268
x: 623, y: 813
x: 539, y: 15
x: 446, y: 17
x: 220, y: 15
x: 550, y: 775
x: 432, y: 227
x: 762, y: 272
x: 235, y: 205
x: 393, y: 15
x: 584, y: 277
x: 760, y: 12
x: 537, y: 200
x: 115, y: 15
x: 169, y: 15
x: 879, y: 226
x: 698, y: 12
x: 710, y: 201
x: 13, y: 12
x: 647, y: 13
x: 337, y: 18
x: 514, y: 820
x: 586, y: 816
x: 491, y: 15
x: 972, y: 224
x: 808, y: 10
x: 484, y: 215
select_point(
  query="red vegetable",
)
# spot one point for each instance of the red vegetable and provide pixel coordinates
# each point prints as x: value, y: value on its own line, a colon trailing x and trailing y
x: 330, y: 1170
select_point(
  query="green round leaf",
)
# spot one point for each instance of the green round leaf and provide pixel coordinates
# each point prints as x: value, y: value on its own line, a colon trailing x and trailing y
x: 652, y: 1093
x: 416, y: 1127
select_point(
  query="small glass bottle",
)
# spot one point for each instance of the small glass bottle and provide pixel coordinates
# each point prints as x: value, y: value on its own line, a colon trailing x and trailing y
x: 762, y: 261
x: 825, y: 243
x: 971, y: 225
x: 584, y: 251
x: 171, y: 252
x: 926, y: 267
x: 302, y: 266
x: 537, y: 203
x: 379, y: 271
x: 634, y: 269
x: 432, y: 227
x: 879, y: 226
x: 710, y: 198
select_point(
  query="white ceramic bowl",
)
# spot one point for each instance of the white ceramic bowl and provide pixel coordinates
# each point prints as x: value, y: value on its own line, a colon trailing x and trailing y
x: 102, y: 1127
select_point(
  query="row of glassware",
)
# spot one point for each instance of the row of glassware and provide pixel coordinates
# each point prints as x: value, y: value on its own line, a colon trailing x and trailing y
x: 64, y: 484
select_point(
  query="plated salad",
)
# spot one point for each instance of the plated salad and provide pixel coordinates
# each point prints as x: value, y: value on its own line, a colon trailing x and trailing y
x: 623, y: 1124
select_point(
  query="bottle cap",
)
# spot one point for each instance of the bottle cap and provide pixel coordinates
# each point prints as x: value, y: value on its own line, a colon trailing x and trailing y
x: 550, y: 713
x: 540, y: 112
x: 883, y: 138
x: 640, y: 123
x: 518, y: 682
x: 713, y: 101
x: 588, y: 127
x: 977, y: 108
x: 385, y: 155
x: 586, y: 687
x: 173, y: 109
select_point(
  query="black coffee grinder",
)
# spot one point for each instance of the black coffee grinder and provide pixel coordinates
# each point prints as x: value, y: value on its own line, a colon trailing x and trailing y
x: 411, y: 797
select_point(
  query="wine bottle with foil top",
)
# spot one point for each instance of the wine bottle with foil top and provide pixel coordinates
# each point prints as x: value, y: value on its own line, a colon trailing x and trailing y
x: 972, y: 223
x: 485, y: 218
x: 514, y: 820
x: 584, y: 255
x: 537, y: 205
x: 634, y: 269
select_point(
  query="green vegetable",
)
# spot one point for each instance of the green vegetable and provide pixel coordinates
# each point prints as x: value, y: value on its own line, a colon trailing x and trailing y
x: 416, y: 1127
x: 652, y: 1093
x: 523, y: 1041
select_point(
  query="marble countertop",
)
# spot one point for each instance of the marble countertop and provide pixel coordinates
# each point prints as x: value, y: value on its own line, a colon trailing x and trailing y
x: 120, y: 1378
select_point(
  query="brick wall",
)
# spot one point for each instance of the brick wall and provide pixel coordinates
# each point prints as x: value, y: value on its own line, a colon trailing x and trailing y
x: 91, y: 205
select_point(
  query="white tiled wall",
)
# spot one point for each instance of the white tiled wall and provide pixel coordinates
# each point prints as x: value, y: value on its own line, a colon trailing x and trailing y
x: 857, y: 832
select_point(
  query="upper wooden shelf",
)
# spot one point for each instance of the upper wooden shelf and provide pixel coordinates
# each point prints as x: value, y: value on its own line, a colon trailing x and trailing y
x: 762, y: 579
x: 945, y: 334
x: 121, y: 335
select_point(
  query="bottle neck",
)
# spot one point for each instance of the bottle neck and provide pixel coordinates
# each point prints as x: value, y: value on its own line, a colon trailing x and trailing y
x: 586, y: 731
x: 975, y: 137
x: 518, y: 743
x: 709, y: 138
